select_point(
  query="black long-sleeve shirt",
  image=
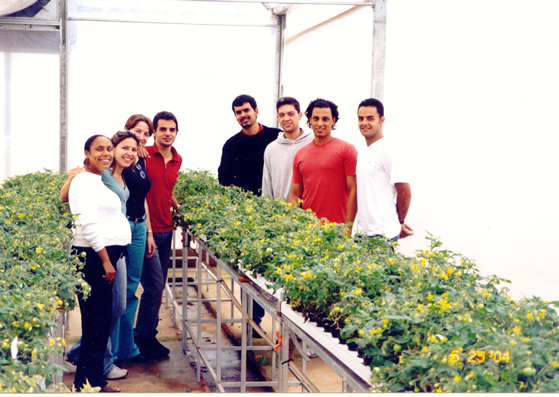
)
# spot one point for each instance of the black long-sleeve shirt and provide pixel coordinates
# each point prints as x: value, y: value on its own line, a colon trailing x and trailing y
x: 242, y: 159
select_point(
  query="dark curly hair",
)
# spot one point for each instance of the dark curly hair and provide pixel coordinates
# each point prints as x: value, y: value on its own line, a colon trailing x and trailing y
x: 322, y: 103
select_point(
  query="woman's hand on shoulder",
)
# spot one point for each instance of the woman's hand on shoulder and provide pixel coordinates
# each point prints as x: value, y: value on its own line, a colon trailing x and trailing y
x: 143, y: 153
x: 74, y: 172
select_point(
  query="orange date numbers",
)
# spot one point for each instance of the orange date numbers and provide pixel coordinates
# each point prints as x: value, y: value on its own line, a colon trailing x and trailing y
x: 480, y: 356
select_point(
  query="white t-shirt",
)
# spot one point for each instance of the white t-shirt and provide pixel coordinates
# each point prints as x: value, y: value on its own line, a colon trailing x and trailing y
x: 100, y: 221
x: 378, y: 169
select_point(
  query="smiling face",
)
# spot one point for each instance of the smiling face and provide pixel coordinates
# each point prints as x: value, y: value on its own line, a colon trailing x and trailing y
x: 100, y: 155
x: 245, y: 115
x: 166, y: 133
x: 141, y: 130
x: 370, y: 123
x: 126, y: 153
x: 322, y: 122
x: 289, y: 118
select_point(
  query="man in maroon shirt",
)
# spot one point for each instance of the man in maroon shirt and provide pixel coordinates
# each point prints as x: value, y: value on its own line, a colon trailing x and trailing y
x: 162, y: 165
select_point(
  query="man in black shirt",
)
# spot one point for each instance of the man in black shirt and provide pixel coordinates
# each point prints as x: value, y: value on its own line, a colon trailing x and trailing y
x: 242, y: 159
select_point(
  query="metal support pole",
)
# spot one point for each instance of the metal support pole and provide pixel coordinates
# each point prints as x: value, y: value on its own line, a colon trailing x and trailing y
x: 280, y: 51
x: 199, y: 311
x: 218, y: 325
x: 63, y: 60
x: 244, y: 333
x: 284, y: 359
x: 185, y: 245
x: 379, y: 49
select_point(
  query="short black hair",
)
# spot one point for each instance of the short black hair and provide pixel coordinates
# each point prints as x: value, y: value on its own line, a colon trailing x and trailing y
x: 165, y: 116
x: 322, y: 103
x: 242, y: 99
x: 288, y: 100
x: 373, y: 103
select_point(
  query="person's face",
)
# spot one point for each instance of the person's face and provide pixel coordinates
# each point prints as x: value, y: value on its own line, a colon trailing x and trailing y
x: 100, y: 155
x: 245, y: 115
x: 322, y: 122
x: 141, y: 130
x: 166, y: 133
x: 126, y: 152
x: 370, y: 123
x: 289, y: 118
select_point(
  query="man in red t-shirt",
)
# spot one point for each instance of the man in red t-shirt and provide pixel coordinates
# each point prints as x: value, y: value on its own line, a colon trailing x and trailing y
x: 162, y: 166
x: 324, y: 170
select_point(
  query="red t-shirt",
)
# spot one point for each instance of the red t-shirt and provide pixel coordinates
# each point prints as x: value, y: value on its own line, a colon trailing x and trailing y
x: 322, y: 171
x: 163, y: 178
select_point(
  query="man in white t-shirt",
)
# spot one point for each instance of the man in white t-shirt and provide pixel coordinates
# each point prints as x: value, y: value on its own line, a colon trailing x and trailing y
x: 383, y: 190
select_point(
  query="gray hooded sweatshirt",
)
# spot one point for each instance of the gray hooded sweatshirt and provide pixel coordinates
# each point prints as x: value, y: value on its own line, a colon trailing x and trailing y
x: 278, y: 164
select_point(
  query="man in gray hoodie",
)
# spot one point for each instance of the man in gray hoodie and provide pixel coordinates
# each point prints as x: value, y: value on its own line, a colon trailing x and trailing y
x: 278, y: 157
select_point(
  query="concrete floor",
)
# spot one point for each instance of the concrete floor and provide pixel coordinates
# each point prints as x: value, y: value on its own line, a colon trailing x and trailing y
x: 171, y: 375
x: 177, y: 373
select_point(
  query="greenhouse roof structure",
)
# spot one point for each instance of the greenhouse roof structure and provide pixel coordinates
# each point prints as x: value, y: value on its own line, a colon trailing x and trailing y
x: 52, y: 17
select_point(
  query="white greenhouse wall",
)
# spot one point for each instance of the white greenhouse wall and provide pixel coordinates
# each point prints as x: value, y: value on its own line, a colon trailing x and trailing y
x: 471, y: 95
x: 195, y: 72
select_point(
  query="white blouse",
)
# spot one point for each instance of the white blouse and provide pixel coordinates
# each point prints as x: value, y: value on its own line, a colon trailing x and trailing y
x: 100, y: 221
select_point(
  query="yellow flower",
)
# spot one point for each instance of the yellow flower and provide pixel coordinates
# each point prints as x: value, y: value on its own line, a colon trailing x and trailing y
x: 457, y: 378
x: 361, y: 333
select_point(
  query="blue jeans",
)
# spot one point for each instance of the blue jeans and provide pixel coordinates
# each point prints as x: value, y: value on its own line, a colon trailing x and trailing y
x: 119, y: 304
x: 154, y: 277
x: 135, y: 253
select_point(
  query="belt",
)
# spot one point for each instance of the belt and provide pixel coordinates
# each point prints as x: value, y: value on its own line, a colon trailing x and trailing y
x: 136, y: 220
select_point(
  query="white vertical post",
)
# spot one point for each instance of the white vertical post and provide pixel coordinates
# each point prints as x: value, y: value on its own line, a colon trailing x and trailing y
x: 379, y: 49
x: 280, y: 51
x: 63, y: 69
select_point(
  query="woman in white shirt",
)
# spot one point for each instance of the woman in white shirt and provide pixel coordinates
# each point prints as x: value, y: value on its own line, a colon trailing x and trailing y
x: 102, y: 233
